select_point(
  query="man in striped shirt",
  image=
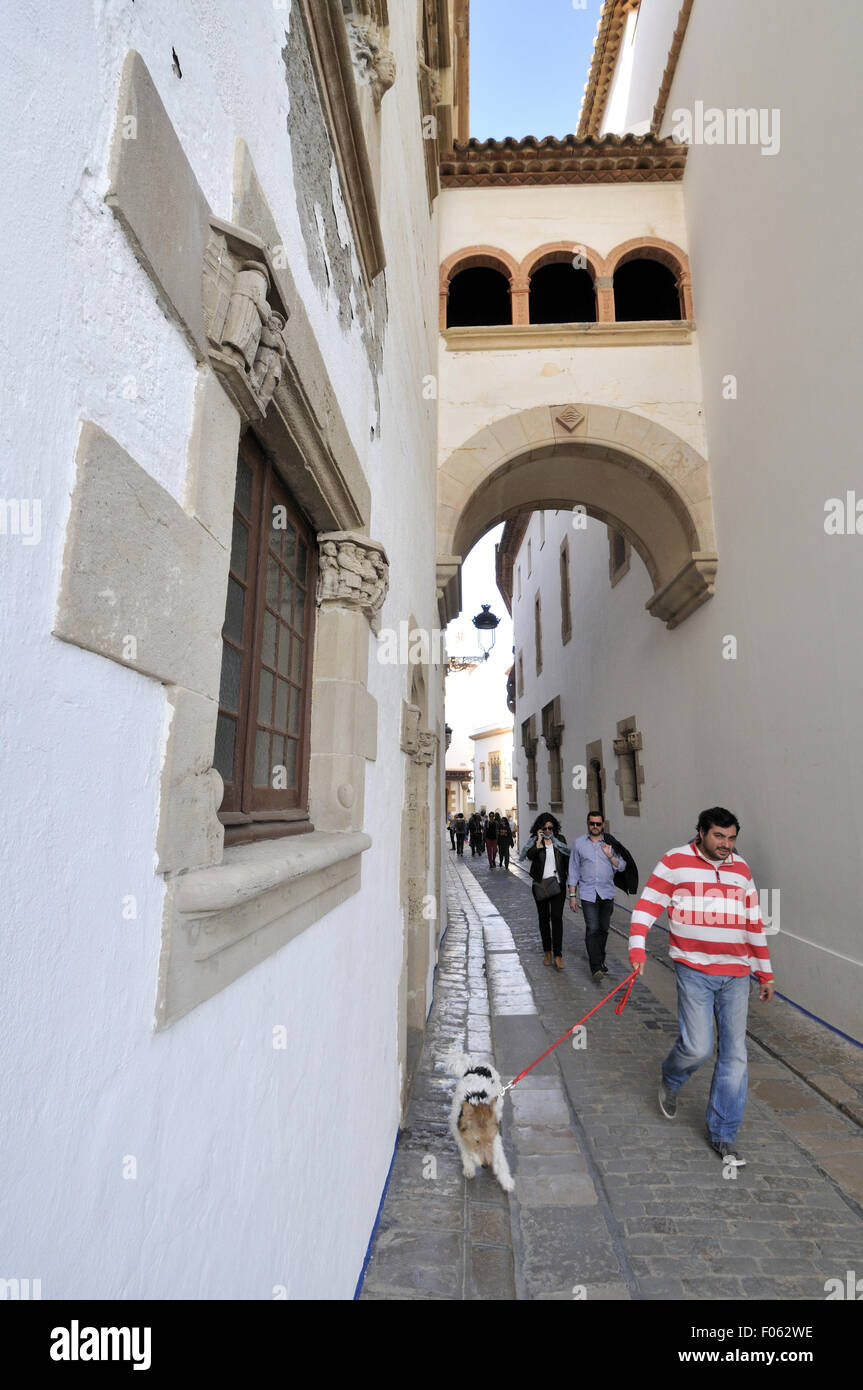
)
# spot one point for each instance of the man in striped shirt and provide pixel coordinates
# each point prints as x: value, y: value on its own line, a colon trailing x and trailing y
x: 716, y: 940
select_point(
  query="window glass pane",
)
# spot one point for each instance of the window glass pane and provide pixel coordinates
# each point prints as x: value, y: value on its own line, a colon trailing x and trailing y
x: 262, y: 759
x: 277, y: 528
x: 296, y: 659
x: 300, y: 612
x: 284, y: 651
x: 234, y: 611
x: 265, y: 699
x: 268, y: 646
x: 272, y: 581
x: 281, y: 719
x: 223, y: 758
x: 294, y: 712
x: 291, y: 761
x: 243, y: 494
x: 301, y: 561
x: 239, y: 547
x: 229, y: 688
x: 290, y: 546
x: 287, y: 597
x: 278, y: 754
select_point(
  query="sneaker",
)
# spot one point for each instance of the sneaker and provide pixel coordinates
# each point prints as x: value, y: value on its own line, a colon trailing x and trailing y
x: 603, y: 969
x: 728, y: 1153
x: 597, y: 977
x: 667, y: 1101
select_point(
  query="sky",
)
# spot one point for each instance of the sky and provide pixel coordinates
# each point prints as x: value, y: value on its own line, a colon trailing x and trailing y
x: 528, y: 65
x: 477, y: 698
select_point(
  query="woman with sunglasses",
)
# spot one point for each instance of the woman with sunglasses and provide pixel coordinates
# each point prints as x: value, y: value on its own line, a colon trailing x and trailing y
x: 548, y: 855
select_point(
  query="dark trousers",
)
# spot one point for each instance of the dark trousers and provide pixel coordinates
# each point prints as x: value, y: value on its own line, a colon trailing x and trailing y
x: 459, y: 842
x: 504, y: 854
x: 452, y: 839
x: 597, y: 916
x: 551, y: 923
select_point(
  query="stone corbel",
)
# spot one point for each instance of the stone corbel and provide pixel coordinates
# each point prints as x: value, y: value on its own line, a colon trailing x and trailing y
x: 245, y: 318
x: 410, y: 734
x: 374, y: 63
x: 427, y: 748
x: 620, y: 746
x: 353, y: 572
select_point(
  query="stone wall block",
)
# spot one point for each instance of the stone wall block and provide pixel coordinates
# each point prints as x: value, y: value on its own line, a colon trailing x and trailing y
x: 143, y: 583
x: 190, y: 834
x: 212, y: 459
x: 154, y: 194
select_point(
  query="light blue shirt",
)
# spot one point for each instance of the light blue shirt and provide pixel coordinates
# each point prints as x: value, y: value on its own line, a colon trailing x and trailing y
x: 591, y: 870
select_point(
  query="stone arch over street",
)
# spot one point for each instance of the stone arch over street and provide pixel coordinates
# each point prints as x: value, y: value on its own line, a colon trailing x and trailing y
x: 621, y: 467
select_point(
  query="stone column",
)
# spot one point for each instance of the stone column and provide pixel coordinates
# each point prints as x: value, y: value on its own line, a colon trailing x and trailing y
x: 604, y: 299
x: 352, y: 586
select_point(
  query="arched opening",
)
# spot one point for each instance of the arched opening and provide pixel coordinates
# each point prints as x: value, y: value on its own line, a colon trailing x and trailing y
x: 595, y: 797
x: 618, y: 467
x: 478, y: 296
x: 645, y: 289
x: 561, y: 294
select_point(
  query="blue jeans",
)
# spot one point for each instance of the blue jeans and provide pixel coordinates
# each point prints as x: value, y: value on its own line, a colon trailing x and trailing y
x: 700, y: 997
x: 597, y: 916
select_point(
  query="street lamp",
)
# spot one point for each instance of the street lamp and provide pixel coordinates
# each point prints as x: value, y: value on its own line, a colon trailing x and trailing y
x: 486, y: 625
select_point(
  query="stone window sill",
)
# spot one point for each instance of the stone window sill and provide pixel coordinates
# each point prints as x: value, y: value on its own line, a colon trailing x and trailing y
x: 226, y: 919
x: 249, y: 871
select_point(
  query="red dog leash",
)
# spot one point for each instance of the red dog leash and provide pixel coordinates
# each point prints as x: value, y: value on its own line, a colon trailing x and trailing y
x: 618, y: 1009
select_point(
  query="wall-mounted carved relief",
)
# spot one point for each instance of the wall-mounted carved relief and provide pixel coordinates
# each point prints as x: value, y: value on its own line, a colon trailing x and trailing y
x: 352, y: 570
x: 245, y: 319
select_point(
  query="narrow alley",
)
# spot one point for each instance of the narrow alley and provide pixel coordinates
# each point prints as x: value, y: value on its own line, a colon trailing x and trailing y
x: 612, y: 1202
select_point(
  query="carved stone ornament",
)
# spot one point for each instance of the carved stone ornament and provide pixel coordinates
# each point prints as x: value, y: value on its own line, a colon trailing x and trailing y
x: 353, y: 571
x: 425, y: 753
x: 374, y: 63
x: 621, y: 746
x: 245, y: 319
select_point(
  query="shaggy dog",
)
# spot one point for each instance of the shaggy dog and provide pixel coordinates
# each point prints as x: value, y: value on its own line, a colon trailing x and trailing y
x: 475, y: 1118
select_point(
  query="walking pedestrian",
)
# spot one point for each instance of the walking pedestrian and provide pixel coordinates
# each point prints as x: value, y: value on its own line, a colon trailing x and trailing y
x: 474, y: 829
x: 505, y: 842
x: 716, y: 940
x: 491, y: 839
x: 548, y: 854
x: 592, y: 866
x: 460, y: 830
x: 450, y: 825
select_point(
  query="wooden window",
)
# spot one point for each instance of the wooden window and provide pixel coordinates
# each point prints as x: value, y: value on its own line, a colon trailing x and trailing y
x: 262, y: 733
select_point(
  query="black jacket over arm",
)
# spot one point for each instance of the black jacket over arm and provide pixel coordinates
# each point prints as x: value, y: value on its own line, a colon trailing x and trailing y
x: 626, y: 878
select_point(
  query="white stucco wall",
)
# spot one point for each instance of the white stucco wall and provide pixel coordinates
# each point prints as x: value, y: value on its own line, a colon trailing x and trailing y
x: 503, y: 798
x: 243, y: 1182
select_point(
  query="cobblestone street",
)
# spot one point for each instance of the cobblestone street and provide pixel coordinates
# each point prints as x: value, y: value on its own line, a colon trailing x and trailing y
x: 612, y: 1202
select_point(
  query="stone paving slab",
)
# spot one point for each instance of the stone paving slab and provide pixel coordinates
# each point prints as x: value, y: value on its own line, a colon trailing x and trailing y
x: 612, y: 1202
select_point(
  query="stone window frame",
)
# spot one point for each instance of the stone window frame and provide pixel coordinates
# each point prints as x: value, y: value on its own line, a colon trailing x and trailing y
x: 520, y: 668
x: 552, y: 733
x: 347, y: 51
x: 565, y: 592
x: 629, y: 776
x: 593, y: 754
x: 617, y: 569
x: 494, y: 762
x: 225, y: 909
x: 537, y: 629
x: 482, y: 772
x: 530, y: 743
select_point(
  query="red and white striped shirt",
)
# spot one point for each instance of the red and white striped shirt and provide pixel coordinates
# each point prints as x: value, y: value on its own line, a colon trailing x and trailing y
x: 713, y: 913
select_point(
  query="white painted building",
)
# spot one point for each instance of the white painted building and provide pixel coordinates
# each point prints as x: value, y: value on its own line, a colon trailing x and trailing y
x: 751, y: 701
x: 494, y: 788
x: 223, y: 224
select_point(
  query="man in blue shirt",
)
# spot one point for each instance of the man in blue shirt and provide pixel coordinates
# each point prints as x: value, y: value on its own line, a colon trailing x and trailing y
x: 592, y: 866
